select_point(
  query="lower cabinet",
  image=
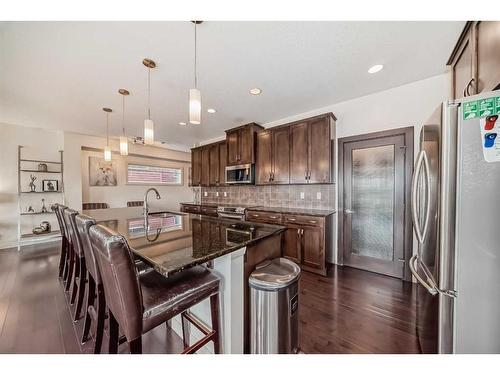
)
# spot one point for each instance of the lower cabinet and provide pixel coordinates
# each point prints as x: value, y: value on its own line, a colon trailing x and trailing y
x: 306, y: 240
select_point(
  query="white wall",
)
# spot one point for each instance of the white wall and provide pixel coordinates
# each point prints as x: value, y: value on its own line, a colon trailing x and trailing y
x: 408, y: 105
x: 45, y: 144
x: 76, y: 171
x: 39, y: 144
x: 117, y: 196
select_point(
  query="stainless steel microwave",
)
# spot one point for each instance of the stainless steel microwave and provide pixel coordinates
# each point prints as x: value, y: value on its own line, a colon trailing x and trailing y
x: 240, y: 174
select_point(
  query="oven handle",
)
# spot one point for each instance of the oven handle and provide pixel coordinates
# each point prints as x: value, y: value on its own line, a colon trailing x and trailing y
x: 235, y: 216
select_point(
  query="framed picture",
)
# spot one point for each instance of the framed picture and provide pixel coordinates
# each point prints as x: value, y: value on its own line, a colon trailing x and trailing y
x: 50, y: 185
x: 102, y: 172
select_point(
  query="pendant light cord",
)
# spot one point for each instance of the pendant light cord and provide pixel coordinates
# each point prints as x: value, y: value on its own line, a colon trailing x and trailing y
x: 149, y: 93
x: 123, y: 115
x: 195, y: 71
x: 107, y: 128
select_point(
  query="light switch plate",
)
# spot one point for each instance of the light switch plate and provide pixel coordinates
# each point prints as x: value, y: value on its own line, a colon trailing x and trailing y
x: 318, y: 195
x: 225, y: 195
x: 302, y: 195
x: 205, y: 193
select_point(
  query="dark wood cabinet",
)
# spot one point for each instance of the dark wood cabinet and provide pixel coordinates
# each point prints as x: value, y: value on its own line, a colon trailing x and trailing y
x: 263, y: 165
x: 214, y: 173
x: 291, y: 245
x: 307, y: 239
x: 196, y: 167
x: 222, y: 163
x: 475, y: 60
x: 205, y: 166
x: 311, y: 159
x: 299, y: 153
x: 241, y: 144
x: 199, y: 209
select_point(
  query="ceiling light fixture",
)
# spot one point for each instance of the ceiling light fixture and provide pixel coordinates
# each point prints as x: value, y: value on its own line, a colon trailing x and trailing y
x: 211, y: 110
x: 123, y: 137
x: 107, y: 150
x: 182, y: 123
x: 149, y: 127
x: 195, y: 94
x: 255, y: 91
x: 375, y: 68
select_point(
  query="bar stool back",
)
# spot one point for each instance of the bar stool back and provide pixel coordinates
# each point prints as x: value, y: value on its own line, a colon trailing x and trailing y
x: 58, y: 208
x: 139, y: 304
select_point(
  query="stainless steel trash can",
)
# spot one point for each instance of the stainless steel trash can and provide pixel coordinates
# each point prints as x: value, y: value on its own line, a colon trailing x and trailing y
x: 274, y: 307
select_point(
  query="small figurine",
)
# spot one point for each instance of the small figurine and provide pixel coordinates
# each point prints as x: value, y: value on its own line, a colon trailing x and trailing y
x: 31, y: 209
x: 44, y: 209
x: 43, y: 228
x: 32, y: 183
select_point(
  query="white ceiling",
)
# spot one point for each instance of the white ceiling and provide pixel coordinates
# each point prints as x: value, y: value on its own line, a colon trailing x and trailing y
x: 59, y: 75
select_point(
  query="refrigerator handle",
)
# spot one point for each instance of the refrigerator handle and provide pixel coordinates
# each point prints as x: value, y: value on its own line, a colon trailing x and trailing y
x: 413, y: 269
x: 428, y: 191
x: 414, y: 189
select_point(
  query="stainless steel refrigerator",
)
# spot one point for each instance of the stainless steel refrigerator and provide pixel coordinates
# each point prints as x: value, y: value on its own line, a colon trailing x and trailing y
x: 456, y: 219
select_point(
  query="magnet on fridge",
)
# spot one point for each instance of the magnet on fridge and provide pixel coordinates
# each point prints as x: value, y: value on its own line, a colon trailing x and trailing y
x: 490, y: 122
x: 489, y: 139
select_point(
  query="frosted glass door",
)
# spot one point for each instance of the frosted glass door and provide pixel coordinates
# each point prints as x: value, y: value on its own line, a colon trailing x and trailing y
x: 374, y: 204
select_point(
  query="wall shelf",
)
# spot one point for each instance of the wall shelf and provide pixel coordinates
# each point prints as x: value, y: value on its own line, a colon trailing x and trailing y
x: 55, y: 233
x: 24, y: 224
x: 37, y: 213
x: 37, y: 171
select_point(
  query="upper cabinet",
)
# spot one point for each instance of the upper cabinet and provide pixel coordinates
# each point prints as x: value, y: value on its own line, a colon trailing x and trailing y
x: 475, y: 60
x: 311, y: 155
x: 241, y: 144
x: 208, y: 164
x: 273, y: 156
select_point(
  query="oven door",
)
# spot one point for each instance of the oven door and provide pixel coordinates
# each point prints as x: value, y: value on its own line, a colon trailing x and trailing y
x: 240, y: 174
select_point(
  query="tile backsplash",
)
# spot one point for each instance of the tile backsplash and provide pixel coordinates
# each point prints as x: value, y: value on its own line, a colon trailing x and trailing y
x: 296, y: 196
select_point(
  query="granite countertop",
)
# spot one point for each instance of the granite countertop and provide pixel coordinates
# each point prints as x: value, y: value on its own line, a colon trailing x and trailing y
x: 296, y: 211
x: 184, y: 240
x: 321, y: 212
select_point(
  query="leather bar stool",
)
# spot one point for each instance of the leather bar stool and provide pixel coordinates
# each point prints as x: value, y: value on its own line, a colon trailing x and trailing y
x: 58, y: 209
x: 77, y: 264
x: 69, y: 266
x: 139, y: 304
x: 96, y: 303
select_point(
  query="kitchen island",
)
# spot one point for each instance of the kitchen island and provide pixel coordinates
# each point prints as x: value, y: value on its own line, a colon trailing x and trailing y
x: 176, y: 241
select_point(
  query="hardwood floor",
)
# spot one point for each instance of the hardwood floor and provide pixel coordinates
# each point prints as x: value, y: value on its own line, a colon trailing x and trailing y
x: 35, y: 315
x: 349, y: 311
x: 355, y: 311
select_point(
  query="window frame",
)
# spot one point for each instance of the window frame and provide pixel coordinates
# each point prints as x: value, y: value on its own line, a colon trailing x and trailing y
x: 180, y: 168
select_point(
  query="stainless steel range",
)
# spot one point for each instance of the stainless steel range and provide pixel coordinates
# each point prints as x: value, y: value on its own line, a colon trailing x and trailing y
x: 233, y: 212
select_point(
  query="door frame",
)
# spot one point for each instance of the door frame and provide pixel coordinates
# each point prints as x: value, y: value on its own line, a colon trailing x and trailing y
x: 407, y: 133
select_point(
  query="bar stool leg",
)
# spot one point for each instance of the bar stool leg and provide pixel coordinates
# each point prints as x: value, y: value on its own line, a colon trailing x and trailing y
x: 186, y: 330
x: 135, y: 346
x: 62, y: 259
x: 90, y: 302
x: 71, y: 269
x: 101, y: 317
x: 113, y: 334
x: 215, y: 315
x: 81, y: 288
x: 76, y: 275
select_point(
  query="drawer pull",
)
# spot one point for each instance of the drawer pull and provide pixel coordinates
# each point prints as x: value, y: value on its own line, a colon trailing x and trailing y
x: 291, y: 219
x: 273, y: 217
x: 312, y: 221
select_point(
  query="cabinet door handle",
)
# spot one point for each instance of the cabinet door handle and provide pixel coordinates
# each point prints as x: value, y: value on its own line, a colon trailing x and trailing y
x: 270, y: 176
x: 306, y: 174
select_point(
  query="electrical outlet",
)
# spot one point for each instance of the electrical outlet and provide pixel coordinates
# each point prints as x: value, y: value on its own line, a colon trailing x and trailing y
x: 302, y: 195
x: 205, y: 193
x: 225, y: 194
x: 318, y: 195
x: 216, y: 193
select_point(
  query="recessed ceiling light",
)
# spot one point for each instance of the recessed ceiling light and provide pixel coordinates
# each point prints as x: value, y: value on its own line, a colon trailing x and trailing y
x: 211, y: 110
x: 182, y: 123
x: 375, y: 68
x: 255, y: 91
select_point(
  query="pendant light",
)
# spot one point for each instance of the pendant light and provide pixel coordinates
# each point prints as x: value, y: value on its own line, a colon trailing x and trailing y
x: 195, y: 94
x: 107, y: 150
x: 149, y: 136
x: 123, y: 137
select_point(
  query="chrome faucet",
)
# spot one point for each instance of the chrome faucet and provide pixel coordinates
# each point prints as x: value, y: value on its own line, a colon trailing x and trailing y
x: 146, y: 204
x: 146, y: 213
